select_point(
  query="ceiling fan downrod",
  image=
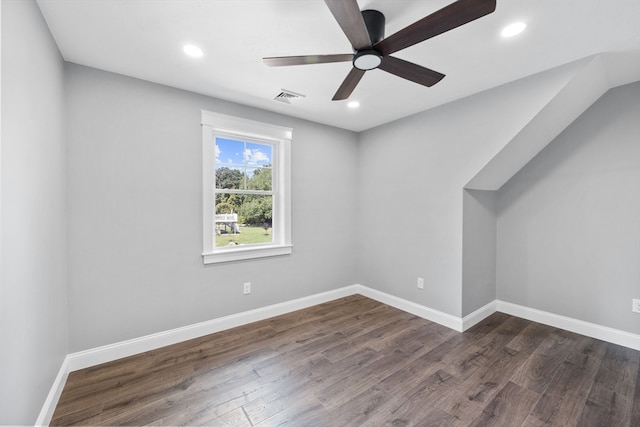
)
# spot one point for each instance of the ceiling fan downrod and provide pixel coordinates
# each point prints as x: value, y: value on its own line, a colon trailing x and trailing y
x: 369, y: 59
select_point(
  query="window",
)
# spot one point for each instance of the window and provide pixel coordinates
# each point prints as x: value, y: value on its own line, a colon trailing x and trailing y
x: 246, y: 189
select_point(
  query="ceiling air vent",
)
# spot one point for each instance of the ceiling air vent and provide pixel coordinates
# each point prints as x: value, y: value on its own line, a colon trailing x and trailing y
x: 287, y: 96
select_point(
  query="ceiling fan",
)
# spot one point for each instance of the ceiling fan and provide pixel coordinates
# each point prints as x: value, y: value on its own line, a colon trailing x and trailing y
x: 365, y: 31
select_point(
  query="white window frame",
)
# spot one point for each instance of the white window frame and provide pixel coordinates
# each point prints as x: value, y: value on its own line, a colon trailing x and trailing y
x: 215, y: 124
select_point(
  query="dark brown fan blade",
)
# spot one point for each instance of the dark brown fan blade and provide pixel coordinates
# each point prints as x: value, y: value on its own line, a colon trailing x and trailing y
x: 410, y: 71
x: 349, y: 84
x: 445, y: 19
x: 282, y: 61
x: 349, y: 17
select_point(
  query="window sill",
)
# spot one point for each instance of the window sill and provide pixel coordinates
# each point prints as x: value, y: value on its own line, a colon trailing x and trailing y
x: 240, y: 253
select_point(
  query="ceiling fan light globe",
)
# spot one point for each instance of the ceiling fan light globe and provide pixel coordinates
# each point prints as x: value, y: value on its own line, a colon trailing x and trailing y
x: 367, y: 60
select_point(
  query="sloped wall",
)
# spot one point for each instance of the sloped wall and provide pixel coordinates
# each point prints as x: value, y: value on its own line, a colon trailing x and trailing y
x: 588, y: 83
x: 568, y: 222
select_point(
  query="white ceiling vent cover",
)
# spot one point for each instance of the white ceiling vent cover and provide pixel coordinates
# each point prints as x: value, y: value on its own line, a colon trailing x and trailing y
x: 288, y: 96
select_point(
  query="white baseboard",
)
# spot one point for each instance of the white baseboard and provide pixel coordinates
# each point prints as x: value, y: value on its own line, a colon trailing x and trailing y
x: 604, y: 333
x: 477, y: 316
x: 46, y: 413
x: 436, y: 316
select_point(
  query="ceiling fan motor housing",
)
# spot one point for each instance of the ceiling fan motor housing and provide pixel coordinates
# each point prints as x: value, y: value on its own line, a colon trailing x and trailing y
x: 368, y: 59
x: 374, y: 20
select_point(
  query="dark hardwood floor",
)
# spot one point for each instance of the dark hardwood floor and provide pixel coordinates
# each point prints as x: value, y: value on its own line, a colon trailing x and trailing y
x: 357, y: 362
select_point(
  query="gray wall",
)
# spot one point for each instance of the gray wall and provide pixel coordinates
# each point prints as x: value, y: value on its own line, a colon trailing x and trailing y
x: 568, y: 228
x: 410, y: 179
x: 33, y: 307
x: 479, y: 233
x: 135, y: 212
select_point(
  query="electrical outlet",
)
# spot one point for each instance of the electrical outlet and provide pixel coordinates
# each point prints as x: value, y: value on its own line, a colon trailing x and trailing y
x: 635, y: 305
x: 420, y: 283
x: 247, y: 288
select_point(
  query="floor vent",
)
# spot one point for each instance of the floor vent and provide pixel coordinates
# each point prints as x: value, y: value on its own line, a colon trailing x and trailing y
x: 288, y: 97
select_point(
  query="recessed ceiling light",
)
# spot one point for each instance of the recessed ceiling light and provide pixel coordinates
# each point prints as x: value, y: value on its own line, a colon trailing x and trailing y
x: 353, y: 104
x: 193, y: 51
x: 513, y: 29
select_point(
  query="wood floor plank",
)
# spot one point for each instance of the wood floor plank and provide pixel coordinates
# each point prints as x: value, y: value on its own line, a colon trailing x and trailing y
x: 537, y: 372
x: 440, y: 418
x: 635, y: 412
x: 528, y: 340
x: 397, y: 412
x: 485, y: 327
x: 409, y: 414
x: 235, y: 418
x: 358, y: 362
x: 466, y: 361
x: 219, y: 399
x: 87, y: 415
x: 618, y: 371
x: 437, y: 389
x: 359, y: 330
x: 479, y: 389
x: 613, y: 413
x: 417, y: 340
x: 359, y: 381
x: 565, y: 397
x: 405, y: 379
x: 510, y: 407
x: 127, y: 394
x: 337, y: 371
x: 613, y: 389
x: 282, y: 388
x: 295, y: 354
x: 362, y: 407
x: 304, y: 411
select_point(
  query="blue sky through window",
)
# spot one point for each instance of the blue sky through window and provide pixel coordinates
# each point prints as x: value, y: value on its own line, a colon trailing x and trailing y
x: 235, y: 154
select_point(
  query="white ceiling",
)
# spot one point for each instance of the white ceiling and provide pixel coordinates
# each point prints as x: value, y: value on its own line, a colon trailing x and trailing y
x: 144, y: 39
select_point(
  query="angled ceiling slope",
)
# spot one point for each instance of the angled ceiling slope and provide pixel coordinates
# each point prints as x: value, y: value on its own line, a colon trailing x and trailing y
x: 589, y: 82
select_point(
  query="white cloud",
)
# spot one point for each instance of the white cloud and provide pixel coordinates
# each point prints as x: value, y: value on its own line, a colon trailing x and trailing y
x: 255, y: 157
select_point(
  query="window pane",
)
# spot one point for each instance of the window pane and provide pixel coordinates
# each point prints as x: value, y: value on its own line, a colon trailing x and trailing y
x: 243, y: 165
x: 243, y: 219
x: 228, y: 203
x: 229, y: 152
x: 256, y: 155
x: 230, y: 179
x: 230, y: 164
x: 259, y: 179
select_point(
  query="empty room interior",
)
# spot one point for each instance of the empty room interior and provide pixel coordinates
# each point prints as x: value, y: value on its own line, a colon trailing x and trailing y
x: 322, y: 213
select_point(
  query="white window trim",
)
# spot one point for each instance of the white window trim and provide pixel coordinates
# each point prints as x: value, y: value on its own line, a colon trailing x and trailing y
x: 221, y: 124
